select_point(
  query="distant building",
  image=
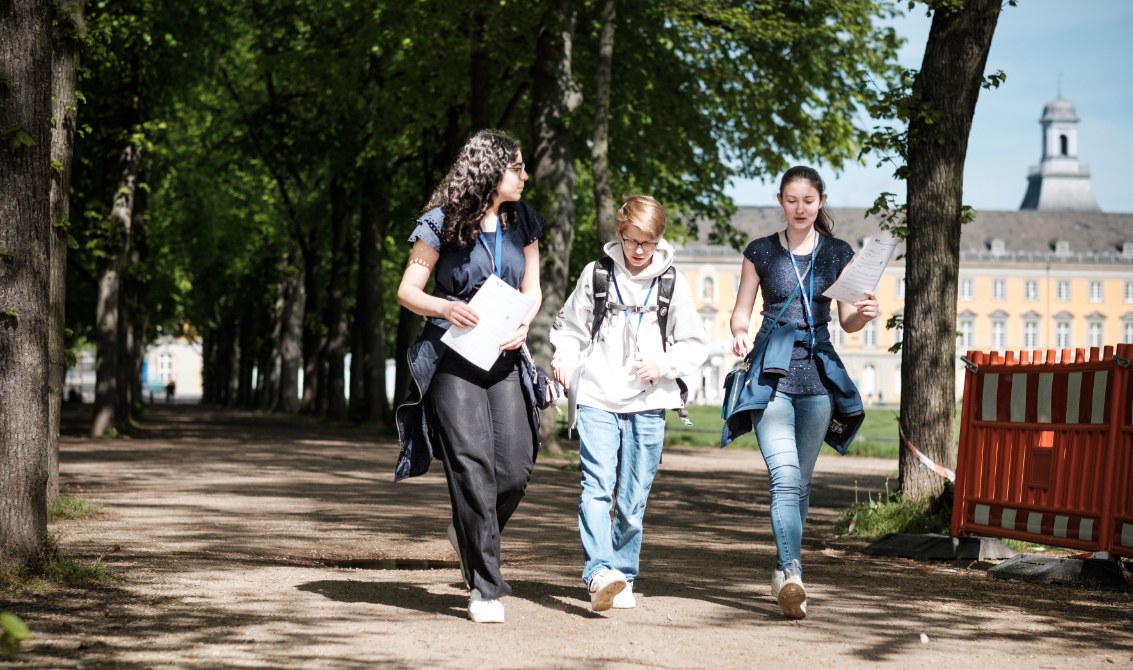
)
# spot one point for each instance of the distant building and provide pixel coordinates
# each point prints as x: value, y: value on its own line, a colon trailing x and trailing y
x: 1060, y: 182
x: 1040, y: 278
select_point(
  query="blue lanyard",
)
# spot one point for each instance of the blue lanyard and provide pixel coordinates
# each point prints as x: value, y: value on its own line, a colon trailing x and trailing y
x: 808, y: 299
x: 498, y: 256
x: 640, y: 315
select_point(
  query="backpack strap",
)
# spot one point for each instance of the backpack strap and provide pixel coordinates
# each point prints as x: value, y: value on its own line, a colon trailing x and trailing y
x: 668, y: 280
x: 601, y: 286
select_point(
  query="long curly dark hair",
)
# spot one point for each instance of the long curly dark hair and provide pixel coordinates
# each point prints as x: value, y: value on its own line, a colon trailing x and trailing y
x: 468, y: 189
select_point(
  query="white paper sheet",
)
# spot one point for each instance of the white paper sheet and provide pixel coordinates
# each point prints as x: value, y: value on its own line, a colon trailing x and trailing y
x: 866, y: 270
x: 501, y: 309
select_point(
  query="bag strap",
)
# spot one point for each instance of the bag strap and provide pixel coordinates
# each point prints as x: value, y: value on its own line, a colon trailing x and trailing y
x: 600, y: 283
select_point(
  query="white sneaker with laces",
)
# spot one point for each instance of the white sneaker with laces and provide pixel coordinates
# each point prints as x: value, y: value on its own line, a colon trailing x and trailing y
x: 787, y: 587
x: 604, y: 585
x: 625, y: 600
x: 481, y: 610
x: 456, y: 547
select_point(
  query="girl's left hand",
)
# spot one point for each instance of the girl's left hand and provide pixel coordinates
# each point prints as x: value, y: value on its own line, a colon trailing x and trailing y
x: 867, y: 308
x: 516, y: 340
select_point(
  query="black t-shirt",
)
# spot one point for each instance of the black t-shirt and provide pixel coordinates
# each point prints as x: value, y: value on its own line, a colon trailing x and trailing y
x: 460, y: 271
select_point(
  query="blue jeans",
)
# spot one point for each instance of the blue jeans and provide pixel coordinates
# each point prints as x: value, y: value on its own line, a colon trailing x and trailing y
x: 620, y: 454
x: 790, y: 432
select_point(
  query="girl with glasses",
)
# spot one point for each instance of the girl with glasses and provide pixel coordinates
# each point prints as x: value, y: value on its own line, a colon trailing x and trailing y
x: 482, y: 424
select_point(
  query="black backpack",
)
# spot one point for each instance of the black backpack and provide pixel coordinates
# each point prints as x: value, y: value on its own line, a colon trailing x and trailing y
x: 667, y: 281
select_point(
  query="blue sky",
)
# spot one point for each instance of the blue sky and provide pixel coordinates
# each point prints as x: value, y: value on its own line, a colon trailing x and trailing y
x: 1090, y: 42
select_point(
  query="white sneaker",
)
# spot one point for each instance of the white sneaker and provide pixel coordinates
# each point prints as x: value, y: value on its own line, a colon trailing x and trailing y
x: 604, y: 585
x: 456, y: 547
x: 625, y: 600
x: 485, y: 611
x: 788, y: 589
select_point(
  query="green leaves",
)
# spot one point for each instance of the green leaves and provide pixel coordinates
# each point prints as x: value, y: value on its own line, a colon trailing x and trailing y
x: 18, y: 136
x: 13, y: 632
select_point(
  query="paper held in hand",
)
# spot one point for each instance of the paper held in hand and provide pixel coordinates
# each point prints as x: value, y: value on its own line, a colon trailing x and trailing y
x: 865, y: 271
x: 501, y: 309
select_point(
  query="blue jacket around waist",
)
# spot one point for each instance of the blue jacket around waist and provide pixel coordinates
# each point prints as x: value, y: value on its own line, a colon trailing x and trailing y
x: 771, y: 360
x: 415, y: 432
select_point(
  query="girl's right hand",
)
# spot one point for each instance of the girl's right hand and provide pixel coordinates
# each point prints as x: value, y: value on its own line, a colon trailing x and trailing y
x: 740, y: 345
x: 459, y: 314
x: 563, y: 376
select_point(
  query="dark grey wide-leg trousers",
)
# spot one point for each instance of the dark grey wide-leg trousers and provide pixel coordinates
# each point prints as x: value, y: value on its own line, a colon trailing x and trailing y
x: 481, y: 422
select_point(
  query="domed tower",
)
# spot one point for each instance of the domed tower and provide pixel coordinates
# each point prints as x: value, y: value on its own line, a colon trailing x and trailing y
x: 1060, y: 182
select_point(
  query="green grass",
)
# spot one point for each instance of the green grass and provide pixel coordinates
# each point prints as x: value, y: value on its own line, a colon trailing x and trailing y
x: 888, y: 513
x: 52, y: 569
x: 71, y: 507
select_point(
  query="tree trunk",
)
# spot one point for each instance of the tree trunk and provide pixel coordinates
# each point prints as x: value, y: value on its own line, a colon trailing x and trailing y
x: 600, y: 150
x: 25, y: 285
x: 369, y: 319
x: 107, y: 398
x: 337, y: 335
x: 554, y: 97
x: 291, y: 350
x: 949, y: 85
x: 311, y: 339
x: 71, y: 27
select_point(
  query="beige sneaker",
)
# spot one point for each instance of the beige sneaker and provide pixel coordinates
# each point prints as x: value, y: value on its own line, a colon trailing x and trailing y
x: 482, y: 610
x: 625, y: 600
x: 604, y: 585
x: 788, y: 589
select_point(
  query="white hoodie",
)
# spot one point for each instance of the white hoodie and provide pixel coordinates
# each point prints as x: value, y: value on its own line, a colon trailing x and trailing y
x: 607, y: 379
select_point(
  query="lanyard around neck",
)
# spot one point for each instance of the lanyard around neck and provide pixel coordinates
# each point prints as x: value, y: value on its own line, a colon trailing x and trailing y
x: 807, y: 296
x: 496, y: 258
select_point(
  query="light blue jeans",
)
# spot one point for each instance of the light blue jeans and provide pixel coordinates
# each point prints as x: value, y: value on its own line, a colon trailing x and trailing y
x: 790, y: 433
x: 620, y: 454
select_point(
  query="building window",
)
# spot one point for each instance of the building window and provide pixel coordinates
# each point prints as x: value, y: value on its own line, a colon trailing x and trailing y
x: 965, y: 289
x: 1062, y: 335
x: 1064, y: 145
x: 998, y: 289
x: 1062, y: 248
x: 869, y: 335
x: 1127, y: 332
x: 1030, y: 334
x: 901, y: 287
x: 1032, y: 290
x: 967, y: 334
x: 999, y: 335
x: 1129, y: 291
x: 1094, y: 334
x: 165, y: 367
x: 1095, y: 291
x: 1063, y: 290
x: 837, y: 335
x: 708, y: 290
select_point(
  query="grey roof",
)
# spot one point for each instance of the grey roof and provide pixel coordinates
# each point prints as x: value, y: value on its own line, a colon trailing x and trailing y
x: 1059, y: 109
x: 1029, y: 235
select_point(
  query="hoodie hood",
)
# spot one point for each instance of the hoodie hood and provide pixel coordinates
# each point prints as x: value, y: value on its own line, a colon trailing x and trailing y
x: 662, y: 259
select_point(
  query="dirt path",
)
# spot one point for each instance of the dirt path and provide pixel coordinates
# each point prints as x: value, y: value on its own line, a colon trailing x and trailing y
x: 248, y: 541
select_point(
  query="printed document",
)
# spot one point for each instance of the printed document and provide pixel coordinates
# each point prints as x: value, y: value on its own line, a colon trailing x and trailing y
x: 863, y: 274
x: 501, y: 309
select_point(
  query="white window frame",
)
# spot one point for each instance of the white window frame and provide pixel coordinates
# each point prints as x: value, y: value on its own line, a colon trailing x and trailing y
x: 1096, y: 293
x: 1031, y: 290
x: 998, y: 289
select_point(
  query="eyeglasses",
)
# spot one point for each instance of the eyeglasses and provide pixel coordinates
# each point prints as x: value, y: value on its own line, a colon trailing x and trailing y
x: 518, y: 168
x: 631, y: 245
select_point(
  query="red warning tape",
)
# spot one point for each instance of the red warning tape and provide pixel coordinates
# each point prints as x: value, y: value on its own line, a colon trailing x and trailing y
x: 940, y: 470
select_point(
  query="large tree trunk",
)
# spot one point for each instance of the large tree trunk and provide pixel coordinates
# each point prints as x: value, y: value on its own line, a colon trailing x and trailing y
x: 133, y: 317
x: 108, y: 395
x: 311, y: 339
x: 948, y: 84
x: 369, y: 319
x: 70, y: 29
x: 335, y: 324
x: 291, y: 338
x: 600, y: 150
x: 554, y: 97
x: 25, y: 305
